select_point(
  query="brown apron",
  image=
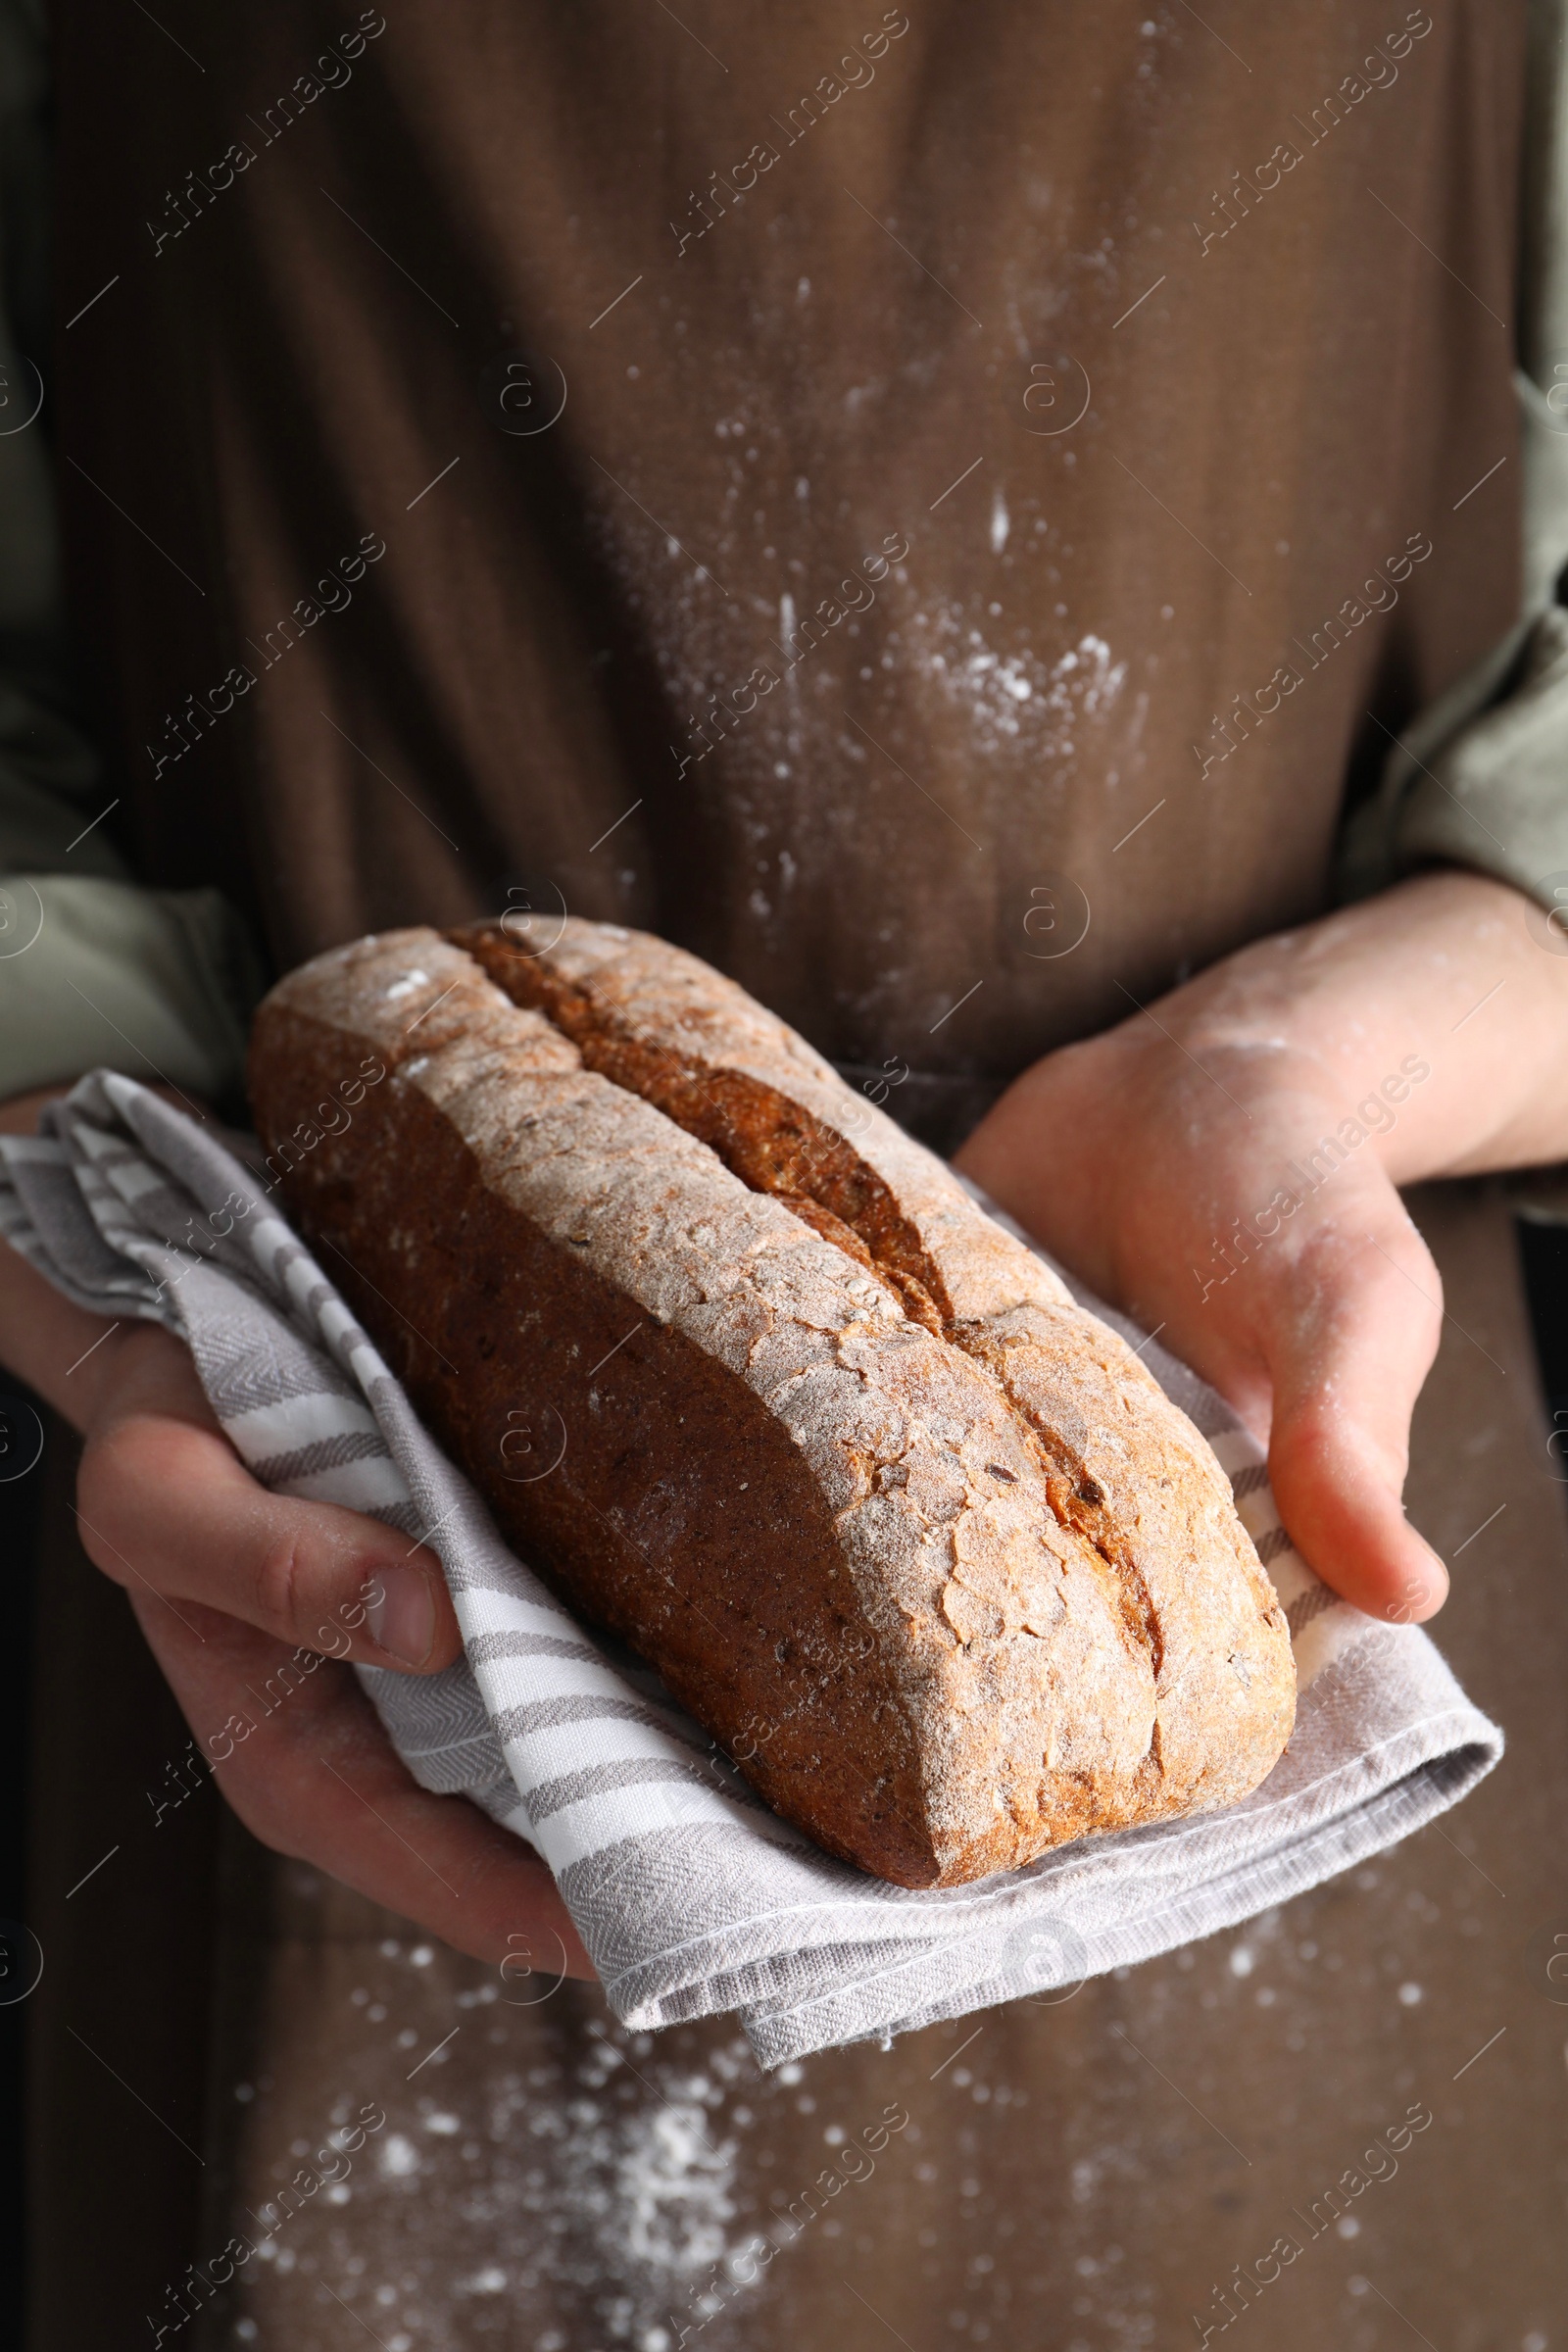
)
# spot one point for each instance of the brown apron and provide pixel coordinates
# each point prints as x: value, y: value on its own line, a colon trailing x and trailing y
x: 937, y: 515
x: 642, y: 346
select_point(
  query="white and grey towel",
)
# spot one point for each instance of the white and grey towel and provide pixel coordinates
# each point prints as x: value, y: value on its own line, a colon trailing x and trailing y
x: 691, y: 1897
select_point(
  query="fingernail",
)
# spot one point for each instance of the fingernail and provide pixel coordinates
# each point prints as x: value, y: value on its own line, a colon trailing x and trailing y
x: 402, y: 1617
x: 1421, y: 1596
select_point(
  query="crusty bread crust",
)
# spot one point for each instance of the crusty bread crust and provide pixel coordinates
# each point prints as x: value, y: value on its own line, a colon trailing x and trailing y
x: 919, y: 1542
x: 1125, y: 1466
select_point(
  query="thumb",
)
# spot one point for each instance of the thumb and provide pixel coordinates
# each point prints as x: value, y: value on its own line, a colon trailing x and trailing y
x: 1351, y: 1338
x: 167, y: 1507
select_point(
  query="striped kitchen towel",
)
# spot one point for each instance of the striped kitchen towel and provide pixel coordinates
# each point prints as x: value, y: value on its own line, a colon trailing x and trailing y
x: 691, y: 1897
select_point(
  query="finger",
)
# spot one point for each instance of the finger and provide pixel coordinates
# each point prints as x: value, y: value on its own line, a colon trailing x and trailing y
x: 166, y: 1506
x: 304, y: 1762
x: 1351, y: 1338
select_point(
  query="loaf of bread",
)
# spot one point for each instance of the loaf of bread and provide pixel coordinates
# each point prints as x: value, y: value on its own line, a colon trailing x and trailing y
x: 751, y: 1382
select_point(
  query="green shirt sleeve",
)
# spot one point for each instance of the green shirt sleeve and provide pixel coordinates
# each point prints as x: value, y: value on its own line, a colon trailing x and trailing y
x: 156, y: 983
x: 92, y: 968
x: 1481, y: 778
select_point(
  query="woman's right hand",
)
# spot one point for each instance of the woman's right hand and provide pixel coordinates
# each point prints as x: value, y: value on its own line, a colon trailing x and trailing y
x: 255, y: 1606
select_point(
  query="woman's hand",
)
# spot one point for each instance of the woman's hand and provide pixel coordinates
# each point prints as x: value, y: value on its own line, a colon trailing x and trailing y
x: 253, y: 1606
x: 1223, y: 1166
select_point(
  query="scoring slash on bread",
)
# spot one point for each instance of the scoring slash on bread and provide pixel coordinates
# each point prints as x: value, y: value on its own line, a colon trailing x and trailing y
x: 917, y: 1539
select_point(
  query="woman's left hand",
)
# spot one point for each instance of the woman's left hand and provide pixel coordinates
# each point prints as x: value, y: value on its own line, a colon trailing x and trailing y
x: 1224, y: 1167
